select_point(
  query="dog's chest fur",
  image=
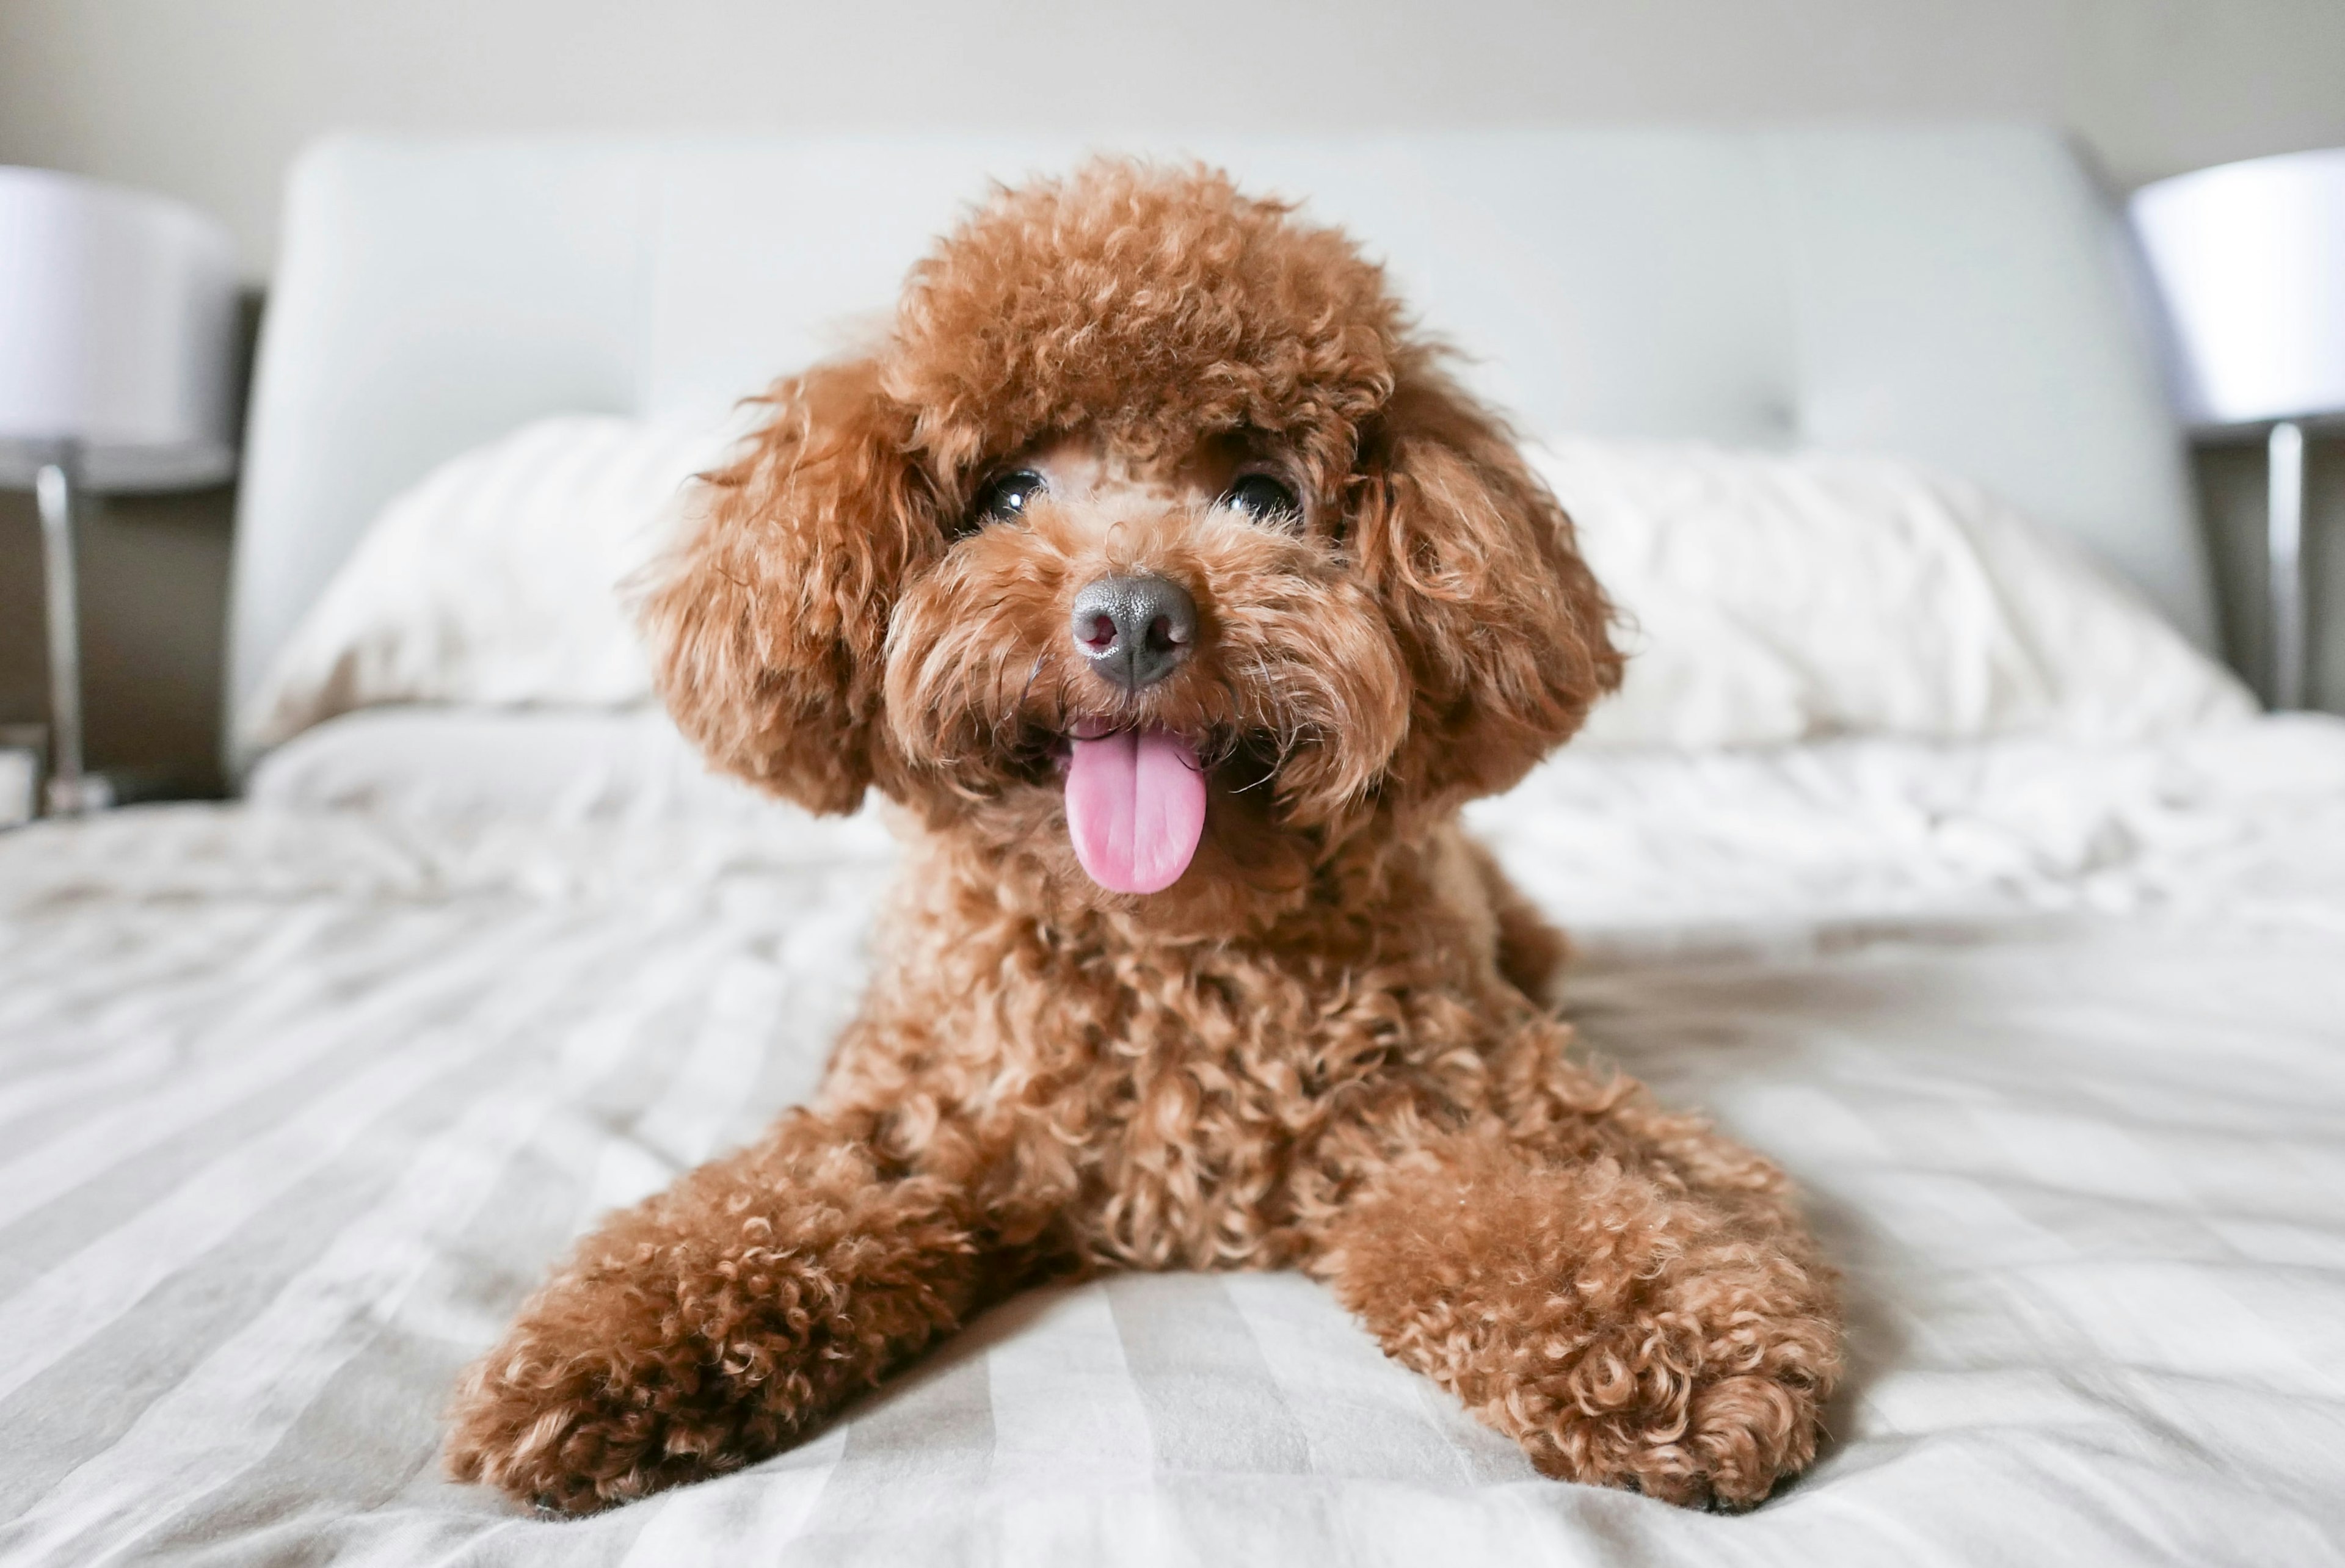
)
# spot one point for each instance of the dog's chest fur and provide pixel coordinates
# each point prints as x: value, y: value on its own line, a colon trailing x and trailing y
x: 1178, y: 1102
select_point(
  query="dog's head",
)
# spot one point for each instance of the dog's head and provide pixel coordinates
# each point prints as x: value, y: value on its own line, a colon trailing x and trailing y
x: 1150, y: 541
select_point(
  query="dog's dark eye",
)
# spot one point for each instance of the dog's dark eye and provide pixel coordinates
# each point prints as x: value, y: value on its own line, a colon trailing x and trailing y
x: 1262, y: 498
x: 1005, y: 497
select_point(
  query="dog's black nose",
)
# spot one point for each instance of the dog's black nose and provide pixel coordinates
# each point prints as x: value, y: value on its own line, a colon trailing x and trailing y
x: 1135, y: 631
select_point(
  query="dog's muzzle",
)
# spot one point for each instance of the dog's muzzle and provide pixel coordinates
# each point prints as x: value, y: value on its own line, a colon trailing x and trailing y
x: 1134, y: 631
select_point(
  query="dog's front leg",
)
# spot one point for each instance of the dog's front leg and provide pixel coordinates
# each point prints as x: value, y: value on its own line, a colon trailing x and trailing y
x: 715, y: 1323
x: 1626, y: 1293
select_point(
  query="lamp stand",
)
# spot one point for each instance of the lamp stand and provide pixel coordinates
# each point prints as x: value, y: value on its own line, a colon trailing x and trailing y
x: 57, y: 485
x: 2284, y: 547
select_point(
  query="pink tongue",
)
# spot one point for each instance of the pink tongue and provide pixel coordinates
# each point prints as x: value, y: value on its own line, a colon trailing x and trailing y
x: 1136, y: 806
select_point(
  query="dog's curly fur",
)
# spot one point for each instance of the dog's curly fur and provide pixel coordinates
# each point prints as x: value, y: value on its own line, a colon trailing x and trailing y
x: 1323, y: 1047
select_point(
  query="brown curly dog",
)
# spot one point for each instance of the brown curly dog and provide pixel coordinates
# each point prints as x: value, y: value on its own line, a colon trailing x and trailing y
x: 1161, y: 577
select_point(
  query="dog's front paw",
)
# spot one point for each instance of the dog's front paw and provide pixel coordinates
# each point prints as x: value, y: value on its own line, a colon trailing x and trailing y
x: 1625, y: 1330
x: 1690, y: 1365
x: 576, y: 1428
x: 714, y: 1325
x: 635, y: 1372
x: 1720, y: 1444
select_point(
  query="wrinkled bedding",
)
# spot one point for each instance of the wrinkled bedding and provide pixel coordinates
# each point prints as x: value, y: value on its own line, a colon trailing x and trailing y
x: 299, y: 1098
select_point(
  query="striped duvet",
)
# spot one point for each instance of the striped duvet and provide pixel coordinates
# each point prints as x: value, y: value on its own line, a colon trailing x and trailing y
x: 295, y: 1104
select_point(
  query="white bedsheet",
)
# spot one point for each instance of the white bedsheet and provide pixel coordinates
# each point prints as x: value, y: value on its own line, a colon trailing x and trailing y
x: 543, y: 764
x: 296, y: 1103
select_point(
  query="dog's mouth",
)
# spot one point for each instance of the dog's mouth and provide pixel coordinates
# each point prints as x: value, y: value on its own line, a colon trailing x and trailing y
x: 1136, y: 804
x: 1134, y: 793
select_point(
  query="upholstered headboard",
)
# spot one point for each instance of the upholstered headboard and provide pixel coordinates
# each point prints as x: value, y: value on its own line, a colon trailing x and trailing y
x: 1957, y: 295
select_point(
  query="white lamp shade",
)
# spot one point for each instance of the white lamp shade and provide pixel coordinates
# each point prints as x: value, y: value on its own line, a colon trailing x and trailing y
x: 117, y: 332
x: 2250, y: 257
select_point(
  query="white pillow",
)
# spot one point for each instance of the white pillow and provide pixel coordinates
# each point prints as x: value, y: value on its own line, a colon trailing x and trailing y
x: 1773, y: 598
x: 494, y: 579
x: 1779, y: 598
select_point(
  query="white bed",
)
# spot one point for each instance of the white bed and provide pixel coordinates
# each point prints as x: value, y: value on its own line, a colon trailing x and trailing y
x: 298, y: 1096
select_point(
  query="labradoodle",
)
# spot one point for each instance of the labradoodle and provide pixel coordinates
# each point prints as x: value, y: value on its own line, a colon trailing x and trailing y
x: 1157, y: 571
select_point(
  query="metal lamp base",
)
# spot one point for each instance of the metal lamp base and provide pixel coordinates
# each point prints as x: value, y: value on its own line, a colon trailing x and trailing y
x: 2284, y: 552
x: 56, y: 484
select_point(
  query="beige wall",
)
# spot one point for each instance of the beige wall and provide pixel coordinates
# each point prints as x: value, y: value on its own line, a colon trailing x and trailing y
x: 209, y: 99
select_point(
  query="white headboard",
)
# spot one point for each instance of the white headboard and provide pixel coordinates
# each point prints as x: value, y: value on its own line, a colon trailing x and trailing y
x: 1958, y: 295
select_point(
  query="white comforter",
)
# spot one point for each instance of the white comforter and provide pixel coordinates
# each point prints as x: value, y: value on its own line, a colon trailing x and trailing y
x: 295, y: 1104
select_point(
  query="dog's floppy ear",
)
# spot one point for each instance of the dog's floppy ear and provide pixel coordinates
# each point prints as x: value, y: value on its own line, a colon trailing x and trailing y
x: 1506, y: 635
x: 767, y: 620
